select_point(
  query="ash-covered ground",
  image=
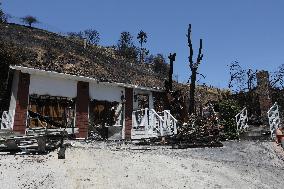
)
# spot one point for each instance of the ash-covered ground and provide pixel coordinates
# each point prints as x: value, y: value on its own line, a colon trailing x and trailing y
x: 244, y: 164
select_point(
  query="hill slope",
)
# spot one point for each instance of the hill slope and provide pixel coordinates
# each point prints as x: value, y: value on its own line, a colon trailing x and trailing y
x: 40, y: 49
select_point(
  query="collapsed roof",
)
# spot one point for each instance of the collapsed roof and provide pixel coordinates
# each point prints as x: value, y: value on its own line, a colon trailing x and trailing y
x: 43, y: 50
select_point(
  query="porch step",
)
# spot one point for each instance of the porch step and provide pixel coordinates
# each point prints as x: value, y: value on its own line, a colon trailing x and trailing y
x: 256, y: 133
x: 141, y: 134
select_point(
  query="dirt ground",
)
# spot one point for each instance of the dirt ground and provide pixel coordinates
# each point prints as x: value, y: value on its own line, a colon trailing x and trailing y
x: 111, y: 165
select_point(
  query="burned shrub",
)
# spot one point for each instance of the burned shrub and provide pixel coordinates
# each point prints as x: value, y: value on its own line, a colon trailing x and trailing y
x: 7, y: 58
x: 199, y: 132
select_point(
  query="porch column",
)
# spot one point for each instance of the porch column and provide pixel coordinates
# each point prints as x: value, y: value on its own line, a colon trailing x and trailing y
x: 82, y: 107
x: 22, y: 103
x: 128, y: 112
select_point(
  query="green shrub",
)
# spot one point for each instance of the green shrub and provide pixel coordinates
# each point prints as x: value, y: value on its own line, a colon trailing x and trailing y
x: 228, y: 110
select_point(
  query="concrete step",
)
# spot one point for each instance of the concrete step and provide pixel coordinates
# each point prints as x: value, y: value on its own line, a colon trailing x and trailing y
x: 254, y: 132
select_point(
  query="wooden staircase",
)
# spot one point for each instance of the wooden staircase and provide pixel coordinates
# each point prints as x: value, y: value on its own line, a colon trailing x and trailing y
x: 147, y: 123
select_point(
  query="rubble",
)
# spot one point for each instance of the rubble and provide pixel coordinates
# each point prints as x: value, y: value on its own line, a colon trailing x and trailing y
x: 198, y: 132
x: 37, y: 140
x: 33, y: 143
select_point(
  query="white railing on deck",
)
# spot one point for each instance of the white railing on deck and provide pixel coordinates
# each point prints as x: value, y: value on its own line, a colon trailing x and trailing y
x: 274, y: 119
x: 171, y: 122
x: 6, y: 120
x: 157, y: 123
x: 149, y: 123
x: 242, y: 119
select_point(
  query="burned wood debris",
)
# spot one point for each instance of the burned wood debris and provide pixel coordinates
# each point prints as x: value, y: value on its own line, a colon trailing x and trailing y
x: 200, y: 129
x: 198, y: 132
x: 38, y: 140
x: 41, y: 141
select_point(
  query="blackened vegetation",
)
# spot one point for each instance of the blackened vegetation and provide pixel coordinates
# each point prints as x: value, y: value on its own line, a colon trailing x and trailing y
x: 276, y: 80
x: 91, y: 36
x: 30, y: 20
x: 250, y: 100
x: 126, y: 47
x: 198, y: 132
x: 247, y: 92
x: 159, y: 64
x: 241, y: 80
x: 7, y: 57
x: 142, y: 36
x: 49, y: 51
x: 177, y: 105
x: 3, y: 16
x: 277, y: 95
x: 244, y: 86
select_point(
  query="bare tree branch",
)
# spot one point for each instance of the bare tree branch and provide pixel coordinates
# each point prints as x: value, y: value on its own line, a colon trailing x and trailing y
x: 190, y: 58
x: 200, y: 55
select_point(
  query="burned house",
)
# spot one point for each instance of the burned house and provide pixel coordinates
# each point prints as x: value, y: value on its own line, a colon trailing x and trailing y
x: 74, y: 101
x: 75, y: 87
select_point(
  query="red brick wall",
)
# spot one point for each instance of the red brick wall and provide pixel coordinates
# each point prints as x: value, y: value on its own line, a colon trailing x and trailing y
x: 128, y: 112
x: 82, y: 104
x: 22, y: 103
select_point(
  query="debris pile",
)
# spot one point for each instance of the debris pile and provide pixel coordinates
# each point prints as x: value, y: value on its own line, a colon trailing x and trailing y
x: 38, y: 140
x: 198, y: 132
x: 41, y: 141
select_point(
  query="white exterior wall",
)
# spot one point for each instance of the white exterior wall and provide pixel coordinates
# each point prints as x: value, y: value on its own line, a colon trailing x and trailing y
x: 14, y: 92
x: 43, y: 85
x: 139, y: 91
x: 100, y: 91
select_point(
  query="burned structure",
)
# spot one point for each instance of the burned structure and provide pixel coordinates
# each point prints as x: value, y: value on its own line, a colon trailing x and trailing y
x: 74, y: 101
x: 80, y: 89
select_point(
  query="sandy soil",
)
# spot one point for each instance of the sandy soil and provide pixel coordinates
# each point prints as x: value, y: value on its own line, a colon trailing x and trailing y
x: 108, y: 165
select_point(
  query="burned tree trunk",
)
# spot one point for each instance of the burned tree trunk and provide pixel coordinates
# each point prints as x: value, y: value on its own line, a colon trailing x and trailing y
x: 172, y: 58
x: 193, y: 67
x: 192, y: 91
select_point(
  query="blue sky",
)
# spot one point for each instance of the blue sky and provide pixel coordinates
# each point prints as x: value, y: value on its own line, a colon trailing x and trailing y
x: 250, y: 31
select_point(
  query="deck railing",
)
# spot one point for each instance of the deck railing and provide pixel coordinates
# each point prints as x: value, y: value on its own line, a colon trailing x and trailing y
x: 149, y: 123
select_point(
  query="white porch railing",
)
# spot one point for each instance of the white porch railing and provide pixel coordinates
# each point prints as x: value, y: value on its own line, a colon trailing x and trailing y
x: 242, y: 119
x: 171, y: 122
x: 6, y: 120
x: 274, y: 119
x: 149, y: 123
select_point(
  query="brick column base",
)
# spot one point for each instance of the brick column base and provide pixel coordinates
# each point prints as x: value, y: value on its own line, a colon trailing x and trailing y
x: 128, y: 112
x: 82, y: 106
x: 22, y: 103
